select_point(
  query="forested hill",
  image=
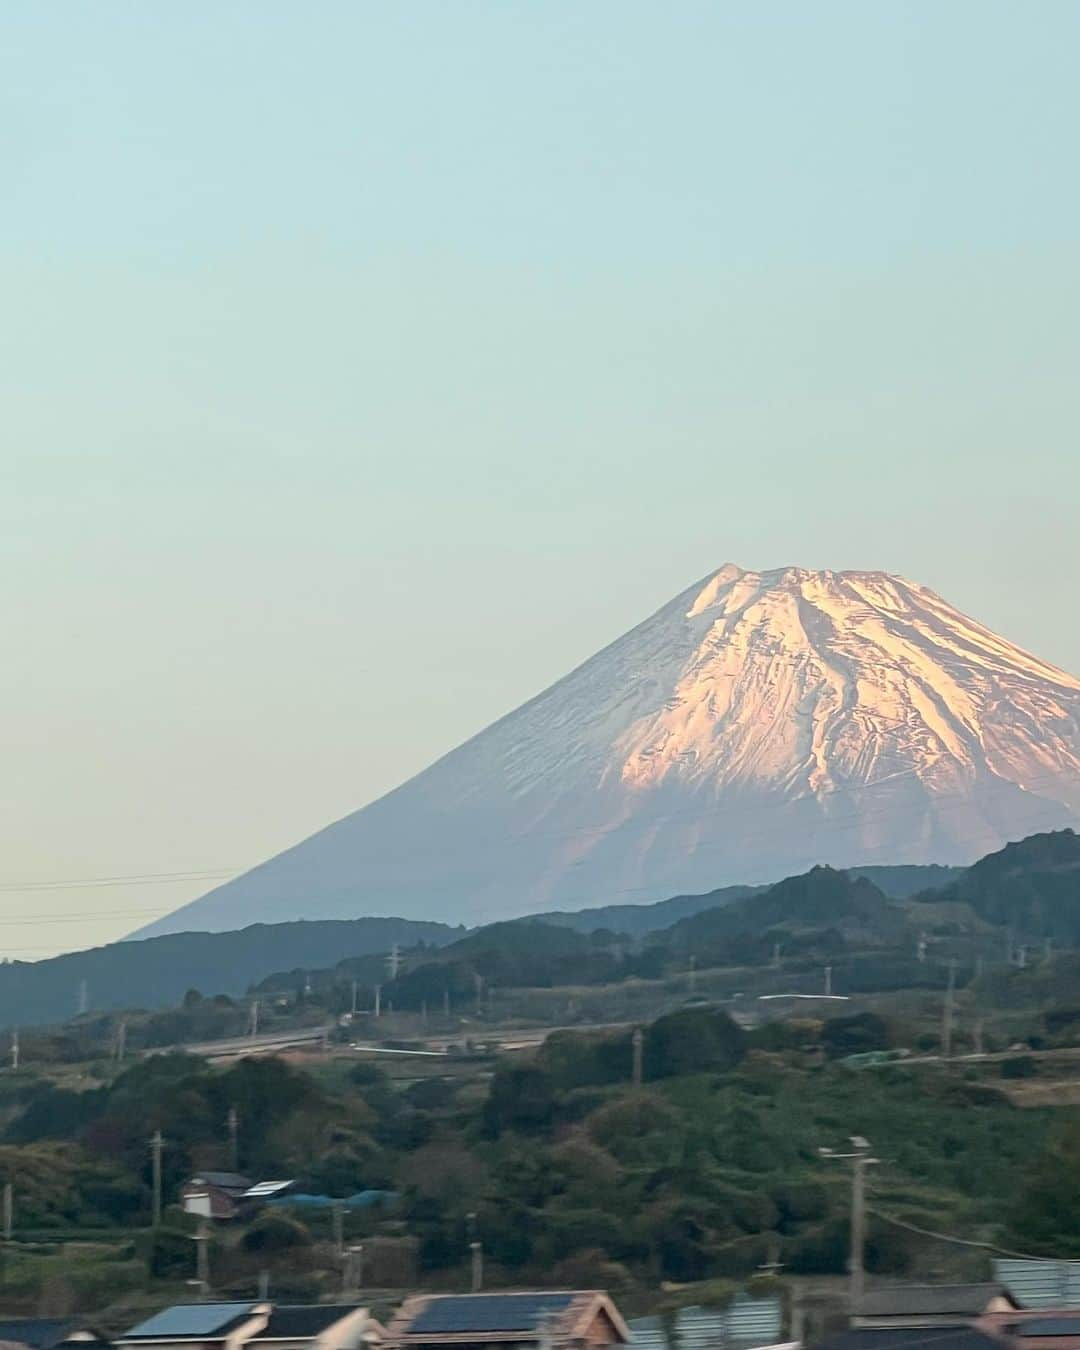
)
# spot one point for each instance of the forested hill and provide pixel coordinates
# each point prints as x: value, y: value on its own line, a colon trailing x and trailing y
x: 898, y: 883
x: 157, y: 972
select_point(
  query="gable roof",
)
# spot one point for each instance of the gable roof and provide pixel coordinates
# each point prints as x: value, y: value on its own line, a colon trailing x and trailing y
x: 447, y: 1318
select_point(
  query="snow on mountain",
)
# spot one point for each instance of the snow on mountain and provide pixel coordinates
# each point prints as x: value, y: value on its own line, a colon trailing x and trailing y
x: 757, y: 724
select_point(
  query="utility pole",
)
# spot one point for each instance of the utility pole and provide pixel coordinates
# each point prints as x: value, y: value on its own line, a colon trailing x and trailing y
x: 338, y: 1216
x: 352, y: 1271
x: 232, y: 1121
x: 9, y: 1210
x: 393, y: 961
x: 355, y: 992
x: 638, y: 1042
x: 860, y: 1160
x: 446, y: 1001
x: 84, y: 997
x: 121, y: 1041
x: 156, y: 1143
x: 828, y: 981
x: 378, y: 1000
x: 477, y: 1249
x: 253, y: 1025
x: 202, y: 1258
x: 15, y: 1049
x: 947, y: 1012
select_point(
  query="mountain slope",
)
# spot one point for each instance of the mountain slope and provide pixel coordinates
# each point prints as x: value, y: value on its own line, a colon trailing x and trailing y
x: 1032, y: 887
x: 759, y: 723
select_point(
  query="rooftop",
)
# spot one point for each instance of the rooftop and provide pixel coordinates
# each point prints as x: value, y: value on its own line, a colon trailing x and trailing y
x: 928, y: 1299
x: 192, y: 1321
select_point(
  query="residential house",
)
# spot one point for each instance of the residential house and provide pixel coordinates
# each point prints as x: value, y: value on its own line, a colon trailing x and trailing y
x: 226, y: 1195
x: 577, y: 1319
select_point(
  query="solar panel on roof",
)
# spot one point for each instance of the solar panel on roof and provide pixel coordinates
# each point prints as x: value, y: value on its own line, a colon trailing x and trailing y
x: 488, y: 1312
x: 189, y: 1319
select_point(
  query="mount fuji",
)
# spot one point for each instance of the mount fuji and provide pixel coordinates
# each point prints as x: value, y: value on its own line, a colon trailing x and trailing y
x: 757, y: 724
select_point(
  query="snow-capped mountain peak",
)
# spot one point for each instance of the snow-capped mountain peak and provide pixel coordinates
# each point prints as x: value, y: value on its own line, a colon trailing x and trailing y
x: 757, y: 724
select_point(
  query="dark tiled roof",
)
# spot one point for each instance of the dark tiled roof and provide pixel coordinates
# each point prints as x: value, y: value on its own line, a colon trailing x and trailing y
x: 458, y: 1314
x: 910, y: 1338
x: 927, y: 1299
x: 303, y: 1320
x: 41, y: 1333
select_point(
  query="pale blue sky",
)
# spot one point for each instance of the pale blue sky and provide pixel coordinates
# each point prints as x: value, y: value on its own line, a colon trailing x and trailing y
x: 367, y: 365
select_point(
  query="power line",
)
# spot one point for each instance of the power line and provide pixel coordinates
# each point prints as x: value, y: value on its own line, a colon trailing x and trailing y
x: 131, y: 879
x: 960, y: 1242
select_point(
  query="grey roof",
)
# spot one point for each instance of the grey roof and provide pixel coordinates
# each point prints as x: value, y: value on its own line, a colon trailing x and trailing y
x: 40, y: 1333
x: 300, y: 1321
x: 225, y: 1181
x: 191, y: 1321
x: 1040, y: 1284
x: 454, y: 1314
x: 927, y: 1299
x: 1046, y: 1326
x: 744, y: 1321
x: 901, y: 1338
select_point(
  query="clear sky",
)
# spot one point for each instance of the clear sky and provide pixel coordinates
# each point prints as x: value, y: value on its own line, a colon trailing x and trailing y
x: 366, y: 365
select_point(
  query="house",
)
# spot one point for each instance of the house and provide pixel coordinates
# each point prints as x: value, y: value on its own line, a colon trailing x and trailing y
x: 745, y: 1322
x: 49, y: 1333
x: 575, y: 1319
x: 214, y: 1195
x: 257, y: 1326
x: 225, y: 1195
x: 929, y: 1305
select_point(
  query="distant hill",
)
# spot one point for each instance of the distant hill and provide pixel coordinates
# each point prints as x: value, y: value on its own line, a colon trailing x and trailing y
x: 822, y: 899
x: 157, y: 972
x: 898, y: 883
x: 1032, y: 886
x: 636, y: 920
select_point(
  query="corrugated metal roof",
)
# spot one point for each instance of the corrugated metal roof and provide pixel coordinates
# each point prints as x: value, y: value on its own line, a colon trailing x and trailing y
x: 1040, y: 1284
x: 744, y: 1321
x: 262, y: 1189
